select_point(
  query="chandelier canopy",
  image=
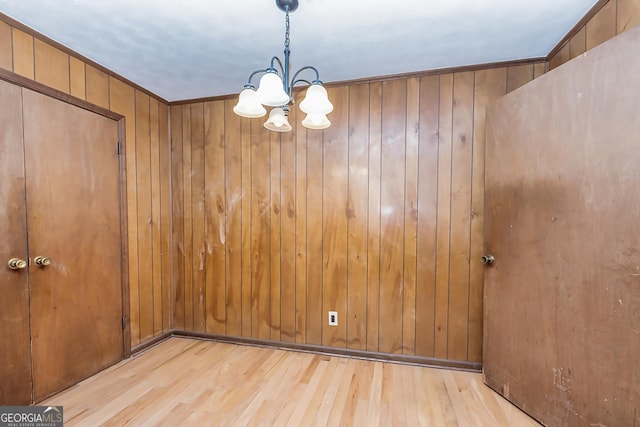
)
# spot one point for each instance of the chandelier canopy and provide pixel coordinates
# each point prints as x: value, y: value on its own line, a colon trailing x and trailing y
x: 275, y: 87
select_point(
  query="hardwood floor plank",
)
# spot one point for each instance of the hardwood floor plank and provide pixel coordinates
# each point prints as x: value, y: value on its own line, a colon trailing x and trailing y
x: 305, y: 398
x: 325, y: 391
x: 375, y: 397
x: 339, y: 392
x: 201, y: 383
x: 458, y: 406
x: 352, y: 389
x: 129, y: 412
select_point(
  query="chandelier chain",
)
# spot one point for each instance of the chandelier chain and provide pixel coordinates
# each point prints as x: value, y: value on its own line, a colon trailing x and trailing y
x: 286, y: 34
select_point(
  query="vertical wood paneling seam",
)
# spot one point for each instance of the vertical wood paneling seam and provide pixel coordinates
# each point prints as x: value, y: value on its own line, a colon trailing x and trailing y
x: 193, y: 315
x: 569, y: 44
x: 204, y: 217
x: 135, y: 154
x: 172, y: 285
x: 250, y: 230
x: 69, y: 78
x: 306, y: 190
x: 270, y: 204
x: 108, y: 97
x: 295, y: 239
x: 159, y: 215
x: 404, y: 213
x: 33, y: 52
x: 186, y: 260
x: 153, y: 278
x: 437, y: 198
x: 471, y: 213
x: 225, y: 180
x: 366, y: 311
x: 187, y: 267
x: 172, y: 289
x: 346, y: 309
x: 172, y: 311
x: 417, y: 285
x: 224, y: 213
x: 221, y: 215
x: 295, y: 233
x: 322, y: 311
x: 241, y: 215
x: 280, y: 228
x: 158, y: 226
x: 193, y: 237
x: 270, y: 218
x: 193, y: 225
x: 202, y: 285
x: 507, y: 78
x: 380, y: 210
x: 417, y: 195
x: 279, y: 235
x: 13, y: 54
x: 170, y: 240
x: 306, y: 239
x: 241, y: 250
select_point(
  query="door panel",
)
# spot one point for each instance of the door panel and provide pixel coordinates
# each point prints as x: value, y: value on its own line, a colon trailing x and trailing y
x: 73, y: 218
x: 15, y: 353
x: 562, y: 302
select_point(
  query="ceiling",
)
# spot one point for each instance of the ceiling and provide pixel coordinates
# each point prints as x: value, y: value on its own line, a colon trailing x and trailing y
x: 197, y: 48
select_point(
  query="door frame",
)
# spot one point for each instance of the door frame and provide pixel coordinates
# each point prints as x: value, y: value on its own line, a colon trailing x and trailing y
x: 122, y: 165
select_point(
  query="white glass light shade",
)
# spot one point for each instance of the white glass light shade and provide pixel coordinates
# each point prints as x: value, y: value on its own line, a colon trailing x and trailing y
x: 316, y: 121
x: 277, y: 121
x: 316, y: 101
x: 271, y: 91
x: 248, y: 105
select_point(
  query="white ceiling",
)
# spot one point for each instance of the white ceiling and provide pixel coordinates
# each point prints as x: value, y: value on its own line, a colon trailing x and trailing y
x: 200, y: 48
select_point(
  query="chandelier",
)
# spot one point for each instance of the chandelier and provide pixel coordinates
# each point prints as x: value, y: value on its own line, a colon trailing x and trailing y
x: 274, y: 90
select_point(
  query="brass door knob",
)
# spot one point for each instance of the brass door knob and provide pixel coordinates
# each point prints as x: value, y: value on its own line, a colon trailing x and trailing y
x: 42, y: 261
x: 17, y: 264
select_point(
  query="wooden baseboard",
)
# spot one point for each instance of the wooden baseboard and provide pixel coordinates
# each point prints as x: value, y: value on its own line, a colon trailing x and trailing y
x: 334, y: 351
x: 153, y: 341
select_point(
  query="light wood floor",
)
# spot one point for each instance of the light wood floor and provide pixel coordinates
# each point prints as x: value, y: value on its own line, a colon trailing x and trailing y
x: 202, y: 383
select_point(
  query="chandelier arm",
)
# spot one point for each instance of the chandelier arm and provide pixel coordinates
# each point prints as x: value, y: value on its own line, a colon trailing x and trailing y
x: 275, y: 60
x: 295, y: 82
x: 308, y: 67
x: 249, y: 84
x: 295, y: 79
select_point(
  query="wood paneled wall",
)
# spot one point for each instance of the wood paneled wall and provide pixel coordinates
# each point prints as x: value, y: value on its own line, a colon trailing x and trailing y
x: 368, y: 218
x: 379, y: 217
x: 614, y: 18
x: 147, y: 159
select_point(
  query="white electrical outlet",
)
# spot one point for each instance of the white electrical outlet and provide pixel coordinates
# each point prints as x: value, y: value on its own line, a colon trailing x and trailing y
x: 333, y: 318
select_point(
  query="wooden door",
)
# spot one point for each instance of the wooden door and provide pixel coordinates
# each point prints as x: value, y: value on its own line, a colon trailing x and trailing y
x: 15, y: 351
x: 73, y: 203
x: 562, y: 302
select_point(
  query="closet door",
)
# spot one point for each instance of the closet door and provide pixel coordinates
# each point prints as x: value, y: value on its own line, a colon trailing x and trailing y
x: 73, y: 215
x: 562, y: 302
x: 15, y: 353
